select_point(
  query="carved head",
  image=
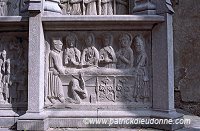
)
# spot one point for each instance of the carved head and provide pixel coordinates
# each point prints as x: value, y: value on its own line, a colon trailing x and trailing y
x: 139, y: 43
x: 4, y: 54
x: 125, y: 40
x: 71, y: 40
x: 108, y: 39
x: 57, y: 43
x: 90, y: 40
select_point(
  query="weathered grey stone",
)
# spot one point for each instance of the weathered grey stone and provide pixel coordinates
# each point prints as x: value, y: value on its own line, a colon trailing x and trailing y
x: 88, y: 66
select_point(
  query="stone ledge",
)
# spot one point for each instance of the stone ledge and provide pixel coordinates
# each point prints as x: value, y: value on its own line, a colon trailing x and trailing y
x: 118, y: 22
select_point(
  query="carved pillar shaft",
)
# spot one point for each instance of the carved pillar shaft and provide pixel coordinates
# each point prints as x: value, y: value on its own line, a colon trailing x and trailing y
x: 144, y: 7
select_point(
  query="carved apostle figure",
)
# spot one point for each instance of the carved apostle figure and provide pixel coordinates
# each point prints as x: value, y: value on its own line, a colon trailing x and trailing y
x: 72, y: 55
x: 125, y: 53
x: 142, y: 83
x: 106, y: 7
x: 72, y: 7
x: 107, y: 54
x: 77, y: 90
x: 5, y: 72
x: 3, y: 8
x: 90, y: 7
x: 55, y: 88
x: 90, y: 55
x: 122, y: 7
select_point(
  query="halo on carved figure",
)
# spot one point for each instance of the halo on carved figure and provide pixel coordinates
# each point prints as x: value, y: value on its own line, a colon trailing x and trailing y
x: 108, y: 36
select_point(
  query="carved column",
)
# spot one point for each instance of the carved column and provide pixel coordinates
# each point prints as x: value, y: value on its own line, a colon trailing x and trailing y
x: 144, y: 7
x: 34, y: 119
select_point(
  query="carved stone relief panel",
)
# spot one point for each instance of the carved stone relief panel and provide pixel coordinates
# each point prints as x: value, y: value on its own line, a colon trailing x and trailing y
x: 13, y: 68
x: 97, y: 68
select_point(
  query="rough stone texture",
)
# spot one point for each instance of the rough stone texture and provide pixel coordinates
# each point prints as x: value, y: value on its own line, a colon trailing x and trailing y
x: 187, y: 57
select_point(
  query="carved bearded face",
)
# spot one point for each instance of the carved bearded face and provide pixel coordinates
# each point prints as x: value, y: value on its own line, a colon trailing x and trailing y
x: 124, y: 41
x: 71, y: 42
x: 139, y: 45
x: 89, y: 41
x: 57, y: 45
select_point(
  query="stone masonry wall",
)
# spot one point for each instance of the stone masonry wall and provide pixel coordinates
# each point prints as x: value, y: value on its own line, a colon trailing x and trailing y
x: 187, y: 55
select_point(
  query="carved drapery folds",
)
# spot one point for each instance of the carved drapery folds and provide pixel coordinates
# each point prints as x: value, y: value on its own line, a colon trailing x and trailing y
x: 95, y: 7
x: 94, y: 72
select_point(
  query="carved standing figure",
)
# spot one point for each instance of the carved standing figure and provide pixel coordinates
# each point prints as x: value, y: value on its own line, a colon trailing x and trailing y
x: 55, y: 88
x: 3, y: 8
x: 90, y: 55
x: 106, y: 7
x: 122, y: 7
x: 5, y: 69
x: 90, y: 7
x: 142, y: 82
x: 125, y: 53
x: 72, y: 55
x: 72, y: 7
x: 77, y: 89
x: 107, y: 54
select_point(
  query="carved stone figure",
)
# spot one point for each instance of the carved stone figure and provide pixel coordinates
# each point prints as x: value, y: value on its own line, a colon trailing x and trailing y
x: 13, y: 7
x: 72, y: 7
x: 90, y: 7
x: 107, y: 54
x: 77, y: 89
x: 125, y: 53
x: 5, y: 69
x: 55, y: 88
x: 90, y: 55
x: 72, y: 55
x: 121, y: 7
x: 107, y: 7
x: 3, y: 8
x: 142, y: 82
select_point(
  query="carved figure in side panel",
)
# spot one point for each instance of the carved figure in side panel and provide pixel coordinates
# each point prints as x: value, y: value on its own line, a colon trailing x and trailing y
x: 90, y: 55
x: 55, y: 88
x: 90, y: 7
x: 107, y: 54
x: 107, y: 7
x: 122, y: 7
x: 142, y: 81
x: 72, y: 55
x: 5, y: 69
x: 3, y: 8
x: 125, y: 53
x: 77, y: 90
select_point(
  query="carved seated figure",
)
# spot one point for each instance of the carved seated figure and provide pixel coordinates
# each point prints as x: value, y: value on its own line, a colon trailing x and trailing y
x: 125, y: 53
x: 142, y: 82
x: 77, y: 90
x: 90, y: 55
x: 71, y: 54
x: 55, y: 88
x: 107, y: 54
